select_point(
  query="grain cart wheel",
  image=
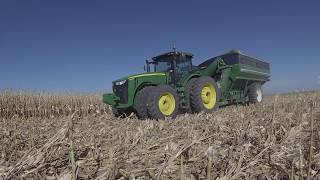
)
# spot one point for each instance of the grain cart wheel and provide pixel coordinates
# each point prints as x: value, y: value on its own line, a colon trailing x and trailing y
x: 163, y: 102
x: 255, y: 93
x: 204, y: 95
x: 141, y: 105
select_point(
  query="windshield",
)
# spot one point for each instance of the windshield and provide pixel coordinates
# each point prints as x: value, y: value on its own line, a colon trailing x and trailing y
x: 162, y: 66
x: 183, y: 66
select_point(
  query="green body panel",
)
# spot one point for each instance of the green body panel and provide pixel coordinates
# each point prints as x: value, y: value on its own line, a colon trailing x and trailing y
x: 135, y: 83
x: 232, y: 80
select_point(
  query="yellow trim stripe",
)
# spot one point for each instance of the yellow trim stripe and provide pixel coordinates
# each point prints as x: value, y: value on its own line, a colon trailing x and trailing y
x: 143, y: 75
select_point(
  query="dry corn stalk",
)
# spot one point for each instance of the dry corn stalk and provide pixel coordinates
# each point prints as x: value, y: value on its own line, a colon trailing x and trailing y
x: 270, y: 141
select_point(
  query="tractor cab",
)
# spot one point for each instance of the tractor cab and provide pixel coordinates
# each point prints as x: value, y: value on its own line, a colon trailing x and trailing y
x: 178, y: 64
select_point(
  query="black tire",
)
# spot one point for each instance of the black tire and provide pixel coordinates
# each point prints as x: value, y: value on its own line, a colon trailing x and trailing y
x: 153, y: 102
x: 255, y: 93
x: 196, y: 102
x: 119, y: 112
x: 190, y: 85
x: 141, y: 105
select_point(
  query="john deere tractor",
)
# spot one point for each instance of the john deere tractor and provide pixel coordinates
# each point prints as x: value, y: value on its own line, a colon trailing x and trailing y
x: 173, y: 85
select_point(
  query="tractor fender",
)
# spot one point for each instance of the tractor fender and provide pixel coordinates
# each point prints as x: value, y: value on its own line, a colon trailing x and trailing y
x: 185, y: 82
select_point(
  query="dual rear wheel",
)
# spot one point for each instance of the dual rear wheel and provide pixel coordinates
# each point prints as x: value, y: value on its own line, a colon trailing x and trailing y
x: 204, y: 95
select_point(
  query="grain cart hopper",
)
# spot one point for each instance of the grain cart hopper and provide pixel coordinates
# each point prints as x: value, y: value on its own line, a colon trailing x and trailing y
x: 172, y: 85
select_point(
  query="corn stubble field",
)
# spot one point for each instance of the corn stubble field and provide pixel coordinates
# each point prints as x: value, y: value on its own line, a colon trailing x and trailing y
x: 45, y: 136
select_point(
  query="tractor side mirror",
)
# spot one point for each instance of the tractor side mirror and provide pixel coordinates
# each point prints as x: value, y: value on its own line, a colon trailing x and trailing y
x: 144, y: 68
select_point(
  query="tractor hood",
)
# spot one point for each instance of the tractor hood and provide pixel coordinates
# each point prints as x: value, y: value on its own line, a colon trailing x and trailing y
x: 139, y: 75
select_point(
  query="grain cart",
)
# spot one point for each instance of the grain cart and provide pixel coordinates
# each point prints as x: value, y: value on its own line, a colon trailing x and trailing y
x: 172, y: 85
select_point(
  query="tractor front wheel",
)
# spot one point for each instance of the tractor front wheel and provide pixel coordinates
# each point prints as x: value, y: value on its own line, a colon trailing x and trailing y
x: 141, y: 104
x: 120, y: 112
x: 163, y: 102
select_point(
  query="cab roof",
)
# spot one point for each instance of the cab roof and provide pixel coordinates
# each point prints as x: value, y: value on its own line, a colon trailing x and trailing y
x: 172, y: 53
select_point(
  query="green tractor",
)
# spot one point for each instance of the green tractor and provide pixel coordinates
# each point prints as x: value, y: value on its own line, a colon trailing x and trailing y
x: 173, y: 85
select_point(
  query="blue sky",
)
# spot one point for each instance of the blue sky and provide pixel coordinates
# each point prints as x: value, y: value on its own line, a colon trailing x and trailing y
x: 83, y: 45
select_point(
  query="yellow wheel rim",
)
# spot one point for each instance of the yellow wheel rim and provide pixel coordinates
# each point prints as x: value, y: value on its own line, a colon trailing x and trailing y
x: 167, y: 104
x: 208, y: 96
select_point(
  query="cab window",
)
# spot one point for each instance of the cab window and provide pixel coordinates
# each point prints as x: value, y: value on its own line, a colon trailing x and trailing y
x: 162, y: 66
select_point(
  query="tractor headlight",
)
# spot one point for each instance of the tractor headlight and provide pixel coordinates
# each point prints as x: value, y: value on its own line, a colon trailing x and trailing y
x: 119, y: 83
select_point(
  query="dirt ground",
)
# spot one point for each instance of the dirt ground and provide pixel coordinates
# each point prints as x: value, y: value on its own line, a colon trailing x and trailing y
x: 279, y: 139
